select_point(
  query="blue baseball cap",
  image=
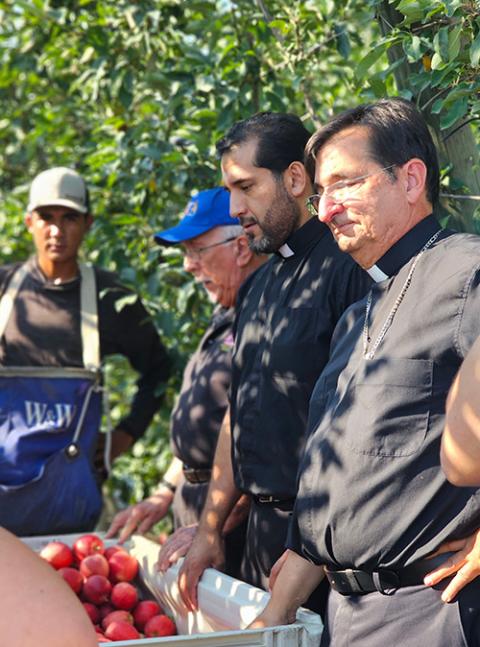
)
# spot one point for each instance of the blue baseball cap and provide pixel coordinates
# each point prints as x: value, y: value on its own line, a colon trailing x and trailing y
x: 206, y: 210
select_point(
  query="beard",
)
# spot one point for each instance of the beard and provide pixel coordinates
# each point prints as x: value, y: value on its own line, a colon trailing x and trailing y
x: 281, y: 219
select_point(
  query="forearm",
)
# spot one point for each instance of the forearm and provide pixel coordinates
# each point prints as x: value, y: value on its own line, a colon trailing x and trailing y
x: 460, y: 451
x: 222, y: 493
x: 238, y: 514
x: 297, y: 579
x: 173, y: 476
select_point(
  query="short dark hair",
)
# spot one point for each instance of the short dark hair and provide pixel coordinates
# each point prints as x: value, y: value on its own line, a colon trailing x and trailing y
x: 398, y: 132
x: 281, y: 139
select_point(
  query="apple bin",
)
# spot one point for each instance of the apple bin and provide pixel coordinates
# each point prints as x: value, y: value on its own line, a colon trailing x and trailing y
x: 226, y: 606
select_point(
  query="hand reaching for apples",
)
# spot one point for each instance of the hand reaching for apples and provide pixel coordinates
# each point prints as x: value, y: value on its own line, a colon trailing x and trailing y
x: 176, y: 546
x: 141, y: 516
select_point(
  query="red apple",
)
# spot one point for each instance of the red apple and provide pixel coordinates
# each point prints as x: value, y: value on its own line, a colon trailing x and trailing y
x: 96, y: 589
x: 144, y: 611
x: 87, y: 545
x: 94, y: 565
x: 57, y: 554
x: 118, y: 630
x: 160, y: 626
x: 72, y: 577
x: 123, y: 567
x: 119, y: 615
x: 111, y: 550
x: 124, y: 596
x: 92, y: 611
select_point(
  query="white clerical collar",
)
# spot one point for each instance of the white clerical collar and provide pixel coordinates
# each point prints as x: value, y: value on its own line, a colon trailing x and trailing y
x: 377, y: 274
x: 286, y: 251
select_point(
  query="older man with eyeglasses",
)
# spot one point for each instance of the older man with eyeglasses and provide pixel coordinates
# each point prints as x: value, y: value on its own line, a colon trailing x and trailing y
x: 374, y: 511
x: 216, y: 252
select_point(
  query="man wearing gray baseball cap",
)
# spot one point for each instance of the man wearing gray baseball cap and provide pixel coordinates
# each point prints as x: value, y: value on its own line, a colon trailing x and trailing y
x: 58, y: 321
x: 61, y: 187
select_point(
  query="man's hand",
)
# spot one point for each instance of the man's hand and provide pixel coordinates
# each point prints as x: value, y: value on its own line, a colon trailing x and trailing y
x: 465, y: 565
x: 176, y: 546
x: 206, y: 551
x: 140, y: 517
x: 295, y: 579
x: 270, y: 618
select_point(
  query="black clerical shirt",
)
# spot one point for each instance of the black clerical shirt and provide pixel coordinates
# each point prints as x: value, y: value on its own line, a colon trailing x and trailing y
x: 372, y: 493
x: 288, y: 310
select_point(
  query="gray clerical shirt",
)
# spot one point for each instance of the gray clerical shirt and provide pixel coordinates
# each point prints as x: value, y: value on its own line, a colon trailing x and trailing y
x: 372, y: 493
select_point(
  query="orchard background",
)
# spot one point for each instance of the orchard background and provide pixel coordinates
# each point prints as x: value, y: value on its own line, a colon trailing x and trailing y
x: 134, y: 95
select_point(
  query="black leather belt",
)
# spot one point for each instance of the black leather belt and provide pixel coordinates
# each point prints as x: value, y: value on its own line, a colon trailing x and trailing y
x: 267, y: 499
x: 355, y: 582
x: 193, y: 475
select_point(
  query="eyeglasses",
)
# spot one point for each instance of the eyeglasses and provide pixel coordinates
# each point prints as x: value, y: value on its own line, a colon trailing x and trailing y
x: 340, y: 191
x: 196, y: 254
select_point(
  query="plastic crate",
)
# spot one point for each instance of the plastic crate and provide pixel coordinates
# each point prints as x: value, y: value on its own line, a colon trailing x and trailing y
x: 226, y: 606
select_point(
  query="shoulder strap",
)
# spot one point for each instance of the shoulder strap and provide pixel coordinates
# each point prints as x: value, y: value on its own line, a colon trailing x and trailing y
x: 9, y: 296
x: 88, y: 311
x: 89, y: 317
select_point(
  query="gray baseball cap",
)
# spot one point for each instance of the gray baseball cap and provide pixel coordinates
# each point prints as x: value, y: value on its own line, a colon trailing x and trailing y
x: 60, y: 187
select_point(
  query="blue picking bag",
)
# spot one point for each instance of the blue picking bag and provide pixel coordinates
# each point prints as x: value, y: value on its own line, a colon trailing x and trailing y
x: 49, y: 425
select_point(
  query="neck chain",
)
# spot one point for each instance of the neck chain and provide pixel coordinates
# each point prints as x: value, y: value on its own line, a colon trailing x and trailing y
x: 370, y: 354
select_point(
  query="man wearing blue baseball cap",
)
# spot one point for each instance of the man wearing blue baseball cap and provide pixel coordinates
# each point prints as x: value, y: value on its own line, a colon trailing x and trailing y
x: 205, y: 211
x: 216, y: 252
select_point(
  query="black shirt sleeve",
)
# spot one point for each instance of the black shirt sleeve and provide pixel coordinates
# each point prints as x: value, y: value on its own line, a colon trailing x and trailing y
x: 129, y: 331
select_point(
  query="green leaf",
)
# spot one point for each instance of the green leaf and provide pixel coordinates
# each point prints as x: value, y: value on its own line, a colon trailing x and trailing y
x: 413, y: 10
x: 342, y: 40
x: 413, y: 48
x: 367, y: 61
x: 440, y: 44
x: 454, y: 41
x: 378, y: 86
x: 454, y: 114
x: 452, y: 6
x: 437, y: 62
x: 127, y: 300
x: 475, y: 51
x: 281, y: 25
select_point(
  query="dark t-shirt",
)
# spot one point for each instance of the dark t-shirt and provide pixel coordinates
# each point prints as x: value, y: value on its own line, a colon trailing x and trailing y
x: 372, y: 493
x: 203, y: 399
x: 287, y: 312
x: 44, y: 330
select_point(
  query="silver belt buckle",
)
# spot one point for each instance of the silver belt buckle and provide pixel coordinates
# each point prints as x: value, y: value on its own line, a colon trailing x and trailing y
x: 266, y: 499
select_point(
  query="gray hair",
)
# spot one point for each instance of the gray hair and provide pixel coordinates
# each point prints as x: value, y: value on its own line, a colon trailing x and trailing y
x: 232, y: 230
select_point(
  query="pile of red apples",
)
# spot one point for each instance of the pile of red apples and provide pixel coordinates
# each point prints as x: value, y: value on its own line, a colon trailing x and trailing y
x: 103, y: 578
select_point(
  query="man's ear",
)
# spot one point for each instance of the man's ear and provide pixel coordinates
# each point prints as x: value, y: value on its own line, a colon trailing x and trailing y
x: 242, y: 251
x: 415, y: 179
x: 28, y: 222
x: 295, y: 179
x: 88, y: 221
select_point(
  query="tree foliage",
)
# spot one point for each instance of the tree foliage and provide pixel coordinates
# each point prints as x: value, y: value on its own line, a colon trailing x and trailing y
x: 135, y: 94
